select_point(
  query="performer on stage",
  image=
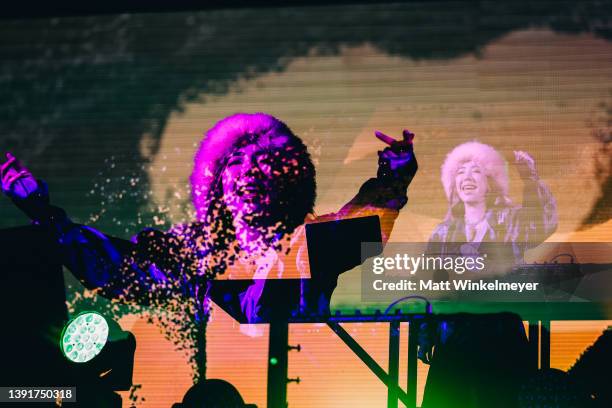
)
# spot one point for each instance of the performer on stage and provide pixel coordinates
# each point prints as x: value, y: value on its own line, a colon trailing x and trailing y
x: 480, y: 360
x: 253, y: 188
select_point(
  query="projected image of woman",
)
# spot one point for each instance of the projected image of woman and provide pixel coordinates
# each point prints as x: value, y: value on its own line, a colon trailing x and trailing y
x: 480, y: 360
x: 475, y: 180
x: 253, y: 189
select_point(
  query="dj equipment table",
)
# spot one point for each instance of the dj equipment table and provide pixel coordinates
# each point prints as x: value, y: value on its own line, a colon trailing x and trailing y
x: 538, y: 316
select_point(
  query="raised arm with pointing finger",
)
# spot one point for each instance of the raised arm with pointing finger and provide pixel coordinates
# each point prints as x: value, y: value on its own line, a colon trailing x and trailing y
x: 385, y: 194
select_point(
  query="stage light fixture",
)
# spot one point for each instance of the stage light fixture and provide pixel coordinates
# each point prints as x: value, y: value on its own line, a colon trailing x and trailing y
x: 84, y: 337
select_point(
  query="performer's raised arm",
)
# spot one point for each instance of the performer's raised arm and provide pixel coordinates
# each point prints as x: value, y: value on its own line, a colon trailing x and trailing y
x: 538, y: 214
x: 99, y: 261
x: 386, y: 194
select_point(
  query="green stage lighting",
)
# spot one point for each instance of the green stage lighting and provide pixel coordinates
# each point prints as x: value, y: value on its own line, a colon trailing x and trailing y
x: 84, y: 337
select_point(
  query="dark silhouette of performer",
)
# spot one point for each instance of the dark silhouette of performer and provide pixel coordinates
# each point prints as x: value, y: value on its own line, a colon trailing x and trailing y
x: 591, y: 372
x: 253, y: 188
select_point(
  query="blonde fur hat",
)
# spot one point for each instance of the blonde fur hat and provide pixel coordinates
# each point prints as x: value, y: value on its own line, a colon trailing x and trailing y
x: 493, y: 164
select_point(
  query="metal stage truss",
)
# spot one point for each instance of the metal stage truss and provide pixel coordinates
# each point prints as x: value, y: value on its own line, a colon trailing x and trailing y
x: 278, y: 351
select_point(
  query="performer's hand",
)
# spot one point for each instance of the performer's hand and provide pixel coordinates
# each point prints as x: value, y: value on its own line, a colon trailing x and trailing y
x: 426, y: 340
x: 17, y: 181
x: 397, y: 161
x: 30, y: 195
x: 525, y: 164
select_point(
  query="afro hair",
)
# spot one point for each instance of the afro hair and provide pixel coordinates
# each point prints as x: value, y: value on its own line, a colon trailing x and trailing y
x: 220, y: 141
